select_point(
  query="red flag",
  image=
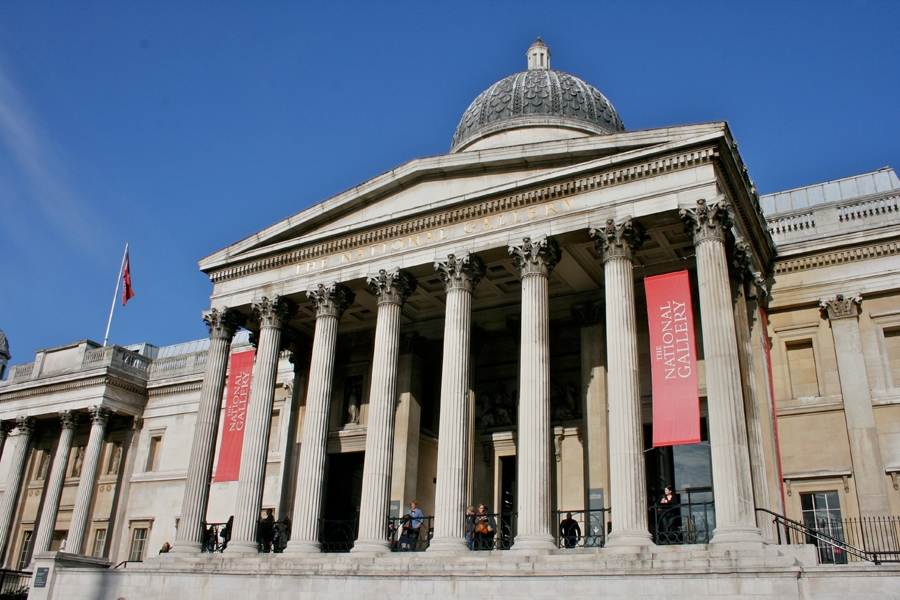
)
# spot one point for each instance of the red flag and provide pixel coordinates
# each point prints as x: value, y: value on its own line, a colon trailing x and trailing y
x: 673, y: 364
x: 127, y: 292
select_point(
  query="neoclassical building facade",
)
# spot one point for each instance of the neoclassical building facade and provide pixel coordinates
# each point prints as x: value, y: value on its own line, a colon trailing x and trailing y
x: 472, y: 328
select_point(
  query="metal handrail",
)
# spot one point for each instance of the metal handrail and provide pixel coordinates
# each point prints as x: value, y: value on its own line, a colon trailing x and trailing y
x: 404, y: 536
x: 590, y: 529
x: 791, y: 525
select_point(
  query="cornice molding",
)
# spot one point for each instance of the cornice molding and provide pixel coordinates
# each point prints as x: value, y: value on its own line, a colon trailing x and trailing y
x: 603, y: 179
x: 73, y: 385
x: 827, y: 259
x: 175, y: 389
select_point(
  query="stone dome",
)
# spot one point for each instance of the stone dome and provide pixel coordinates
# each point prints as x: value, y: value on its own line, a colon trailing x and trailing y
x: 537, y: 97
x: 4, y: 346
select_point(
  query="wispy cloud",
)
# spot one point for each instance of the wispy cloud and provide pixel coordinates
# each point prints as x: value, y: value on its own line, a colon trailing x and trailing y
x: 36, y: 193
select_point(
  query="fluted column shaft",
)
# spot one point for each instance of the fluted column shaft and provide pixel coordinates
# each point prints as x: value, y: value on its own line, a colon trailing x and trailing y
x: 617, y: 243
x: 5, y: 428
x: 273, y: 316
x: 330, y: 303
x: 222, y: 325
x: 535, y: 260
x: 460, y: 276
x: 14, y: 480
x: 735, y: 514
x: 81, y: 511
x: 53, y: 491
x: 391, y: 288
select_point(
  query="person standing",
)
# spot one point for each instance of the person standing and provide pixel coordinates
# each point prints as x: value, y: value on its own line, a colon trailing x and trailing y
x: 569, y: 531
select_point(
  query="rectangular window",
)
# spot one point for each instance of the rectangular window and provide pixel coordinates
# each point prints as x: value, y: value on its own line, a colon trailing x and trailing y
x: 138, y: 541
x: 822, y: 512
x: 153, y: 453
x: 802, y: 365
x: 892, y: 345
x: 25, y: 552
x: 99, y: 543
x: 274, y: 433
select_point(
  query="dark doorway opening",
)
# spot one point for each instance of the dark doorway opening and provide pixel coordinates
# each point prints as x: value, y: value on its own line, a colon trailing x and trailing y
x: 343, y: 494
x: 508, y: 507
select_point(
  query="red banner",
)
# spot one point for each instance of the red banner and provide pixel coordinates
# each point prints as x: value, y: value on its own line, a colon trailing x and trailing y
x: 239, y: 375
x: 673, y: 360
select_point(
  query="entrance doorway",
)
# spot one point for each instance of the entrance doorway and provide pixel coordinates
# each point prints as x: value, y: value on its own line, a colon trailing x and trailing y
x: 506, y: 523
x: 343, y: 496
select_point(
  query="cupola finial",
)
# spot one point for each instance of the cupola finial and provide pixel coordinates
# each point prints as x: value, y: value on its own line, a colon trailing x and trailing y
x: 538, y: 55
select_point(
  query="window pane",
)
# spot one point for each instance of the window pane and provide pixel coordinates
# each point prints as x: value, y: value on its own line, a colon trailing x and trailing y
x: 802, y: 365
x: 892, y: 345
x: 99, y: 542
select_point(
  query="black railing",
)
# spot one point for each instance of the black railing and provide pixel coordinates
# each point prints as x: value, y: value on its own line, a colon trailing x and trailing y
x: 687, y: 523
x: 410, y: 534
x: 839, y: 541
x: 584, y: 529
x: 491, y: 531
x: 337, y: 535
x: 14, y: 584
x: 215, y: 537
x: 273, y: 536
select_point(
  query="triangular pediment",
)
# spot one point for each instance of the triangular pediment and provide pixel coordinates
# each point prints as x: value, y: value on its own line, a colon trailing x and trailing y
x: 434, y: 184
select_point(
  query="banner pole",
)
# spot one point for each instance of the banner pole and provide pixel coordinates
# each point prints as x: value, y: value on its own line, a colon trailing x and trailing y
x: 115, y: 295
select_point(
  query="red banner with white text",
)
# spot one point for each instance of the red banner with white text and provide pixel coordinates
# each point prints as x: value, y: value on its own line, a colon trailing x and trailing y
x: 673, y: 360
x: 239, y: 375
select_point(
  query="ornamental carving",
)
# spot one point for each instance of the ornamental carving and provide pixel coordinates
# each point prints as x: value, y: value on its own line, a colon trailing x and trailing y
x: 496, y: 408
x: 68, y: 418
x: 223, y: 323
x: 331, y: 300
x: 619, y: 240
x: 6, y: 427
x: 25, y: 425
x: 137, y: 423
x: 461, y: 273
x: 536, y: 257
x: 588, y: 314
x: 841, y: 307
x: 99, y: 415
x: 708, y: 221
x: 392, y: 287
x: 274, y: 313
x: 741, y: 260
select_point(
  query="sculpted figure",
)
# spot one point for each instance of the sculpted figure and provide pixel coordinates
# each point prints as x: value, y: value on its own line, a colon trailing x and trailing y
x: 115, y: 460
x: 353, y: 404
x: 79, y: 462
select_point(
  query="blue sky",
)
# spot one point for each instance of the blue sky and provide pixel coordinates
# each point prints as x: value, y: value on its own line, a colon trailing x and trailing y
x: 183, y: 127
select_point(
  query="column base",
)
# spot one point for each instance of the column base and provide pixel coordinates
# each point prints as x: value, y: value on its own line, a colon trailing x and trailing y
x: 448, y: 546
x: 303, y: 547
x: 237, y: 547
x: 736, y: 535
x: 629, y: 539
x: 533, y: 543
x: 370, y: 547
x: 186, y: 548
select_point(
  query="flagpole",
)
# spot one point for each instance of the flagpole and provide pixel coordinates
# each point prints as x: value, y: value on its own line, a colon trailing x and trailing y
x: 115, y: 295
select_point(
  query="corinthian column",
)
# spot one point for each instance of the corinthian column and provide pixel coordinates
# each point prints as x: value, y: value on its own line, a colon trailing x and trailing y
x: 272, y: 315
x: 460, y: 276
x: 535, y: 260
x: 17, y: 466
x: 330, y: 303
x: 86, y: 485
x: 865, y: 452
x: 617, y: 243
x: 735, y: 515
x: 391, y: 289
x: 5, y: 428
x: 222, y: 325
x: 53, y: 491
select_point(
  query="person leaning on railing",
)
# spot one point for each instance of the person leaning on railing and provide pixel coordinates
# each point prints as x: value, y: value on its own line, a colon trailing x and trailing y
x: 485, y: 528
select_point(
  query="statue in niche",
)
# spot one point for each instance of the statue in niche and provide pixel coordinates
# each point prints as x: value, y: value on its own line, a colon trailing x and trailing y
x: 44, y: 465
x: 496, y: 409
x: 115, y: 460
x: 352, y: 399
x: 564, y: 401
x: 78, y: 463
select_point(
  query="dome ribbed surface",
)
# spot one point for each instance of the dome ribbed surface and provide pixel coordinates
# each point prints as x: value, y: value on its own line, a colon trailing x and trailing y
x: 4, y: 345
x: 534, y: 98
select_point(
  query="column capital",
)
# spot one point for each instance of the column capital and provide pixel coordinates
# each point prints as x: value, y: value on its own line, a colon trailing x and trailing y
x: 392, y: 287
x: 25, y: 425
x: 137, y: 423
x: 740, y: 260
x: 760, y: 290
x: 841, y: 307
x: 274, y: 312
x: 223, y: 323
x: 68, y: 418
x: 462, y: 272
x: 708, y: 222
x: 99, y: 415
x: 331, y: 300
x: 588, y: 314
x: 6, y: 427
x: 618, y: 240
x: 536, y: 256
